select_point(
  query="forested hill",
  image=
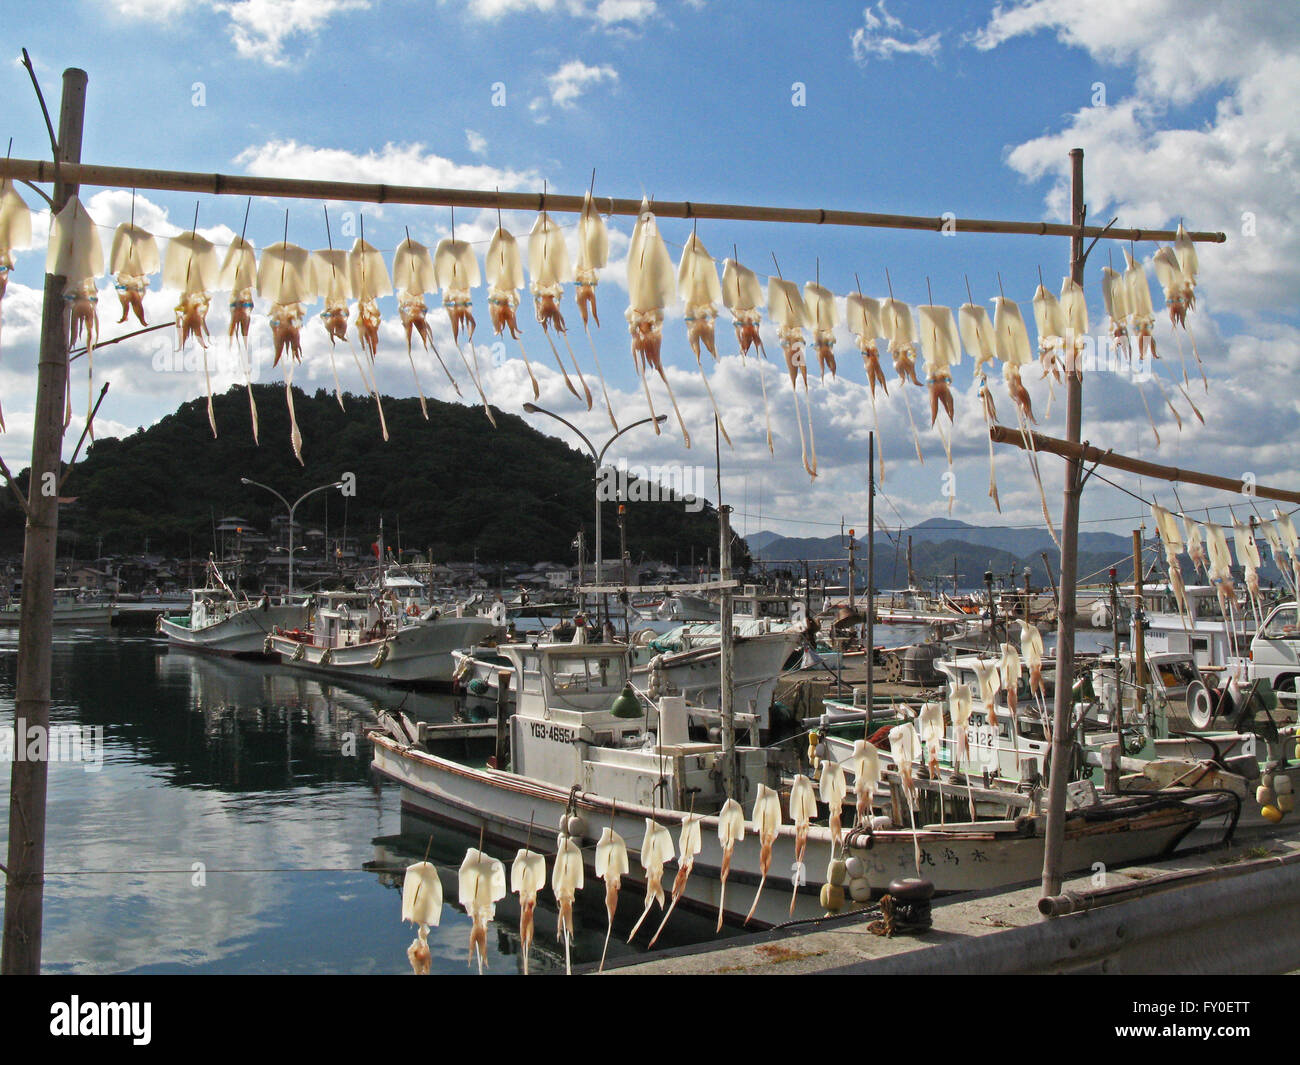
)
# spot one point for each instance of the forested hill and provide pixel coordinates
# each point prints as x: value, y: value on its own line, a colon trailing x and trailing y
x: 453, y: 484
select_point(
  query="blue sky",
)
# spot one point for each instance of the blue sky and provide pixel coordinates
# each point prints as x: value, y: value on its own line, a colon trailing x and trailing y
x: 1185, y: 111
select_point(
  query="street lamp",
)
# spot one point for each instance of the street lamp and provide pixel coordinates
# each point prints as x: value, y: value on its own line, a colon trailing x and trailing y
x: 597, y: 456
x: 291, y: 508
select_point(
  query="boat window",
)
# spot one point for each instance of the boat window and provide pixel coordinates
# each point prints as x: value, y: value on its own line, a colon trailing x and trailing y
x: 744, y: 607
x: 1282, y: 625
x: 1177, y: 674
x: 587, y: 675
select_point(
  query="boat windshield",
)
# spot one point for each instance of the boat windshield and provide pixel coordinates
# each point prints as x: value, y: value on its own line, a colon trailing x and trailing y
x: 1177, y: 673
x: 588, y: 674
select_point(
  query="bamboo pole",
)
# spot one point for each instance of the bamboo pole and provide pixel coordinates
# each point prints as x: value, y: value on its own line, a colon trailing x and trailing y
x: 1087, y: 453
x: 306, y: 188
x: 25, y: 884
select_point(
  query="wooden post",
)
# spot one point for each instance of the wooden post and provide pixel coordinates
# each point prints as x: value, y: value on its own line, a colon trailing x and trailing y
x: 1139, y: 629
x: 1062, y: 735
x: 25, y: 884
x: 871, y: 578
x: 727, y: 692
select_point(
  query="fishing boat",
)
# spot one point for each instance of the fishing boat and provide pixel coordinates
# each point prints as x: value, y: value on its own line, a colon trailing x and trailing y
x: 368, y: 638
x: 583, y: 752
x: 220, y: 621
x: 72, y: 606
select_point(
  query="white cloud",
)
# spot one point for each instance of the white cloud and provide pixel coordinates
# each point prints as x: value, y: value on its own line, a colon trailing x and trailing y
x: 574, y: 78
x: 476, y: 141
x: 261, y: 28
x: 883, y: 36
x: 607, y: 13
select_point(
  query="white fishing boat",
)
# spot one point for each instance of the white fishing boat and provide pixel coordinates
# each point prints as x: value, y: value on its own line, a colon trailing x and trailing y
x: 220, y: 621
x: 1215, y: 641
x: 353, y: 634
x: 72, y: 606
x: 584, y: 753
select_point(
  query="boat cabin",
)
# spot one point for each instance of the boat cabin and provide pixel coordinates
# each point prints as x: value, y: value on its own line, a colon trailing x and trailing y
x: 1205, y: 634
x: 346, y: 619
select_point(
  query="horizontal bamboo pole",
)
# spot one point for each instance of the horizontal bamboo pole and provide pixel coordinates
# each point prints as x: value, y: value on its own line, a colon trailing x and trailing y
x: 1001, y: 434
x: 122, y: 177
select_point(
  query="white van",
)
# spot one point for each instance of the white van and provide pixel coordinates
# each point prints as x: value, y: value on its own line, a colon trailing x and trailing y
x: 1275, y: 652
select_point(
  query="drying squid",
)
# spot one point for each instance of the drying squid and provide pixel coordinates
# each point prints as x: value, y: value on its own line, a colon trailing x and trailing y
x: 656, y: 852
x: 75, y: 254
x: 1274, y: 542
x: 900, y: 330
x: 903, y: 748
x: 822, y: 320
x: 698, y: 288
x: 1287, y: 533
x: 548, y: 264
x: 988, y: 679
x: 370, y: 281
x: 832, y: 789
x: 803, y: 808
x: 1074, y: 308
x: 330, y: 279
x: 976, y: 331
x: 651, y: 284
x: 527, y: 878
x: 190, y: 267
x: 1248, y: 557
x: 930, y: 720
x: 867, y: 770
x: 1031, y: 649
x: 593, y: 254
x: 1221, y: 568
x: 941, y: 349
x: 482, y: 886
x: 1143, y: 317
x: 132, y: 257
x: 743, y: 296
x: 1050, y: 320
x: 786, y: 309
x: 413, y: 277
x: 238, y: 277
x: 862, y: 316
x: 731, y: 830
x: 959, y: 708
x: 422, y: 906
x: 1171, y: 538
x: 566, y: 882
x: 766, y: 823
x: 611, y: 867
x: 1195, y: 548
x: 15, y: 234
x: 689, y: 844
x: 1009, y: 669
x: 284, y: 277
x: 505, y: 277
x: 456, y: 271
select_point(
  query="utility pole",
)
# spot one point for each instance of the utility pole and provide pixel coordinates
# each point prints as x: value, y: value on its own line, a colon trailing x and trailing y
x: 29, y: 780
x: 1062, y: 736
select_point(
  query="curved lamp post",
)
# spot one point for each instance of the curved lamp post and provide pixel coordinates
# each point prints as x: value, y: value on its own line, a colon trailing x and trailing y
x: 597, y: 456
x: 290, y: 507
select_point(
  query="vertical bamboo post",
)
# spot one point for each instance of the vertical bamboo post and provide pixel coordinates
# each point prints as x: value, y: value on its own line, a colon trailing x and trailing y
x: 1138, y: 626
x: 1062, y: 735
x: 727, y: 693
x: 25, y: 883
x: 871, y: 574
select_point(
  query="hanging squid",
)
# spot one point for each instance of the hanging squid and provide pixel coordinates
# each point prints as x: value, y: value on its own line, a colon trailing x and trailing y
x: 930, y: 720
x: 132, y: 258
x: 941, y: 349
x: 698, y: 288
x: 593, y: 255
x: 766, y: 824
x: 786, y: 309
x: 1142, y: 316
x: 330, y: 279
x: 731, y: 830
x: 505, y: 277
x: 527, y: 878
x: 988, y: 679
x: 1050, y: 321
x: 1195, y: 548
x: 238, y: 277
x: 1031, y: 649
x: 651, y: 284
x: 369, y: 277
x: 422, y: 906
x: 566, y: 882
x: 1011, y: 340
x: 611, y: 866
x: 1248, y: 556
x: 803, y: 809
x: 1179, y: 293
x: 977, y: 337
x: 903, y: 748
x: 548, y: 264
x: 1115, y: 295
x: 75, y: 254
x: 284, y: 277
x: 1287, y: 533
x: 1221, y: 568
x: 1009, y: 670
x: 190, y: 267
x: 15, y: 234
x: 899, y: 329
x: 689, y: 844
x: 456, y: 271
x: 959, y: 709
x: 867, y: 771
x: 832, y: 790
x: 414, y: 277
x: 1274, y: 542
x: 1171, y: 538
x: 822, y: 320
x: 482, y: 886
x: 656, y: 852
x: 1074, y: 309
x: 743, y: 296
